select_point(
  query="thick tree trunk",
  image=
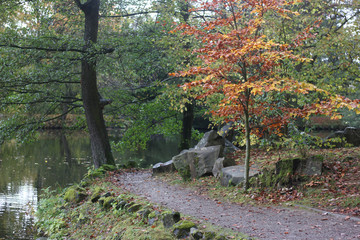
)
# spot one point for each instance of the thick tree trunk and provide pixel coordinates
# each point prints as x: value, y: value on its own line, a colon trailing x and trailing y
x: 100, y: 145
x: 188, y: 114
x: 187, y: 123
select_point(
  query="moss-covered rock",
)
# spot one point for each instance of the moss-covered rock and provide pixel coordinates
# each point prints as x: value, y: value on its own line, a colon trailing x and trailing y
x: 134, y: 208
x: 108, y: 201
x: 153, y: 216
x: 75, y: 195
x: 82, y: 219
x: 144, y: 214
x: 96, y: 194
x: 170, y: 218
x: 196, y: 234
x: 182, y: 228
x: 120, y: 204
x: 85, y: 182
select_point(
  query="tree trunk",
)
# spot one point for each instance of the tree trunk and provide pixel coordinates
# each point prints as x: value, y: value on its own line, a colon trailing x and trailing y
x: 187, y: 123
x: 188, y: 114
x: 247, y: 142
x: 100, y: 145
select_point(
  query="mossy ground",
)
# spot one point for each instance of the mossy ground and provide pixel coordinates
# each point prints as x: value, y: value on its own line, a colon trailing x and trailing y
x: 59, y: 219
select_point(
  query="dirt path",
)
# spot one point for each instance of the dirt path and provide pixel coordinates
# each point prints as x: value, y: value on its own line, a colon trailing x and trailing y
x: 259, y: 222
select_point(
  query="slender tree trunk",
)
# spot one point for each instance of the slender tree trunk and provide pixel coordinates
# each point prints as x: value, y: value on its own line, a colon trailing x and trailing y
x: 247, y: 142
x: 187, y: 123
x: 100, y: 145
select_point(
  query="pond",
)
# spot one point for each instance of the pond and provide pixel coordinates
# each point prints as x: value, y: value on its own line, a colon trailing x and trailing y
x: 55, y: 160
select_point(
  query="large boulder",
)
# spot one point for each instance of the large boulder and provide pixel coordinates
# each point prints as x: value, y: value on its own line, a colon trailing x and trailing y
x: 350, y: 135
x: 234, y: 175
x: 310, y: 166
x: 220, y: 163
x: 197, y: 162
x: 212, y: 138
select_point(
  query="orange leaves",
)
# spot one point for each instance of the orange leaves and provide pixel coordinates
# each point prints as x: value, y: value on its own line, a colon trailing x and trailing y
x: 240, y: 63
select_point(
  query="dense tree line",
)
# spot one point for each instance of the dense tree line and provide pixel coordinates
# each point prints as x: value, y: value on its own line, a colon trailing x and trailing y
x: 110, y: 58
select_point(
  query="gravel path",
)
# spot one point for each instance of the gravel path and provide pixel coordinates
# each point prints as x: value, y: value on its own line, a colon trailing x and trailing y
x: 259, y: 222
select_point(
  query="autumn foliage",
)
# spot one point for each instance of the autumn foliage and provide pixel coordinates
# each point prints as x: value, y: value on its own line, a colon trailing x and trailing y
x: 243, y: 65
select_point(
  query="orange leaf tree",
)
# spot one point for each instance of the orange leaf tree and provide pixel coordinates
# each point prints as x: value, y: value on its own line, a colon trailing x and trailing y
x: 243, y: 66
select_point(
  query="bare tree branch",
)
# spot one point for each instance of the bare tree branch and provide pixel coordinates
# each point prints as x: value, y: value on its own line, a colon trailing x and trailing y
x: 128, y: 14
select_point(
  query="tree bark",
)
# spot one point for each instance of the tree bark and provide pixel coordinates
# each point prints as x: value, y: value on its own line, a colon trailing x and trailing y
x: 188, y: 114
x: 187, y: 124
x: 100, y: 145
x: 247, y: 142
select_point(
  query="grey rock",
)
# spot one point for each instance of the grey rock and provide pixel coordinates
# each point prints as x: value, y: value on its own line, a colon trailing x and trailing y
x: 144, y: 214
x: 169, y: 219
x: 212, y: 138
x: 182, y: 229
x: 235, y: 174
x: 350, y: 135
x: 229, y: 147
x: 310, y: 166
x: 220, y: 163
x: 196, y: 234
x: 225, y: 130
x: 134, y: 208
x: 196, y: 163
x: 163, y: 167
x: 121, y: 204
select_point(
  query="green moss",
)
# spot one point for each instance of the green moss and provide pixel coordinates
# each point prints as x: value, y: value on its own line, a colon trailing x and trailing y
x: 134, y: 208
x: 153, y: 214
x: 96, y: 194
x: 166, y: 212
x: 74, y: 195
x: 108, y: 167
x: 209, y: 235
x: 184, y: 224
x: 96, y: 173
x: 185, y: 173
x: 108, y: 202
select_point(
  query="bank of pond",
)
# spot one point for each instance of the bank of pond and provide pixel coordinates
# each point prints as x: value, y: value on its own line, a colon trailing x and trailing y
x: 98, y: 208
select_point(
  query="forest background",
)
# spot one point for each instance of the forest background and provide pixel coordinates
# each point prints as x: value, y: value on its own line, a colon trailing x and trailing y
x: 107, y: 63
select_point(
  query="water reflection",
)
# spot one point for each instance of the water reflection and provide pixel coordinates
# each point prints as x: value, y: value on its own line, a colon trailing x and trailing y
x: 55, y: 160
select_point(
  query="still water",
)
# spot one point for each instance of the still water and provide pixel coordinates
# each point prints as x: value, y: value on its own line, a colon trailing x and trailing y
x: 56, y: 160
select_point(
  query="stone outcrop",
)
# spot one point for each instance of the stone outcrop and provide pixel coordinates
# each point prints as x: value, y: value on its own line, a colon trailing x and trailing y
x: 212, y: 138
x: 350, y: 135
x: 220, y: 163
x: 194, y: 163
x: 310, y: 166
x: 235, y: 175
x: 75, y: 194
